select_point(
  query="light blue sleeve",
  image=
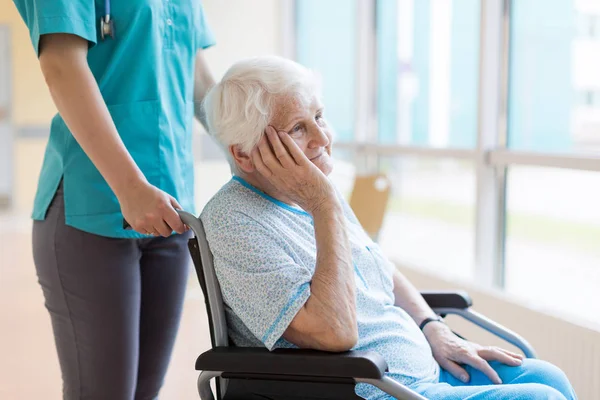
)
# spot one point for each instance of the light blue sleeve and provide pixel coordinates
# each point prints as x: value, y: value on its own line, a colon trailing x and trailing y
x: 204, y: 35
x: 259, y: 278
x: 77, y: 17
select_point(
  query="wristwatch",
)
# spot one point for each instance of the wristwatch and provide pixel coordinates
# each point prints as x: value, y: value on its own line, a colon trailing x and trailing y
x: 428, y: 320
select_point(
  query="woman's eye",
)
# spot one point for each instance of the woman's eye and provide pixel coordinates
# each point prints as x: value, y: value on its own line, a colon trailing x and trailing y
x: 297, y: 128
x: 319, y: 118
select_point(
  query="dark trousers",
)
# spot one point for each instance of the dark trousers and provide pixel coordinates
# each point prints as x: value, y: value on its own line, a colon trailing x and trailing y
x: 115, y: 306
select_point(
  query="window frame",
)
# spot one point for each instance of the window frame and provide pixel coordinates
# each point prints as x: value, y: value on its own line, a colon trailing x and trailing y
x: 491, y: 156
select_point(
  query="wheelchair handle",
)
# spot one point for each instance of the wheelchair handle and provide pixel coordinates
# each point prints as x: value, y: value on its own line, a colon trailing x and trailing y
x: 186, y: 217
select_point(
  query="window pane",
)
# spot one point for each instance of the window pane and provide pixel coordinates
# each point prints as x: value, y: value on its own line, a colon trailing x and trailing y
x: 344, y: 170
x: 554, y: 98
x: 553, y: 240
x: 430, y: 217
x: 428, y: 65
x: 326, y: 42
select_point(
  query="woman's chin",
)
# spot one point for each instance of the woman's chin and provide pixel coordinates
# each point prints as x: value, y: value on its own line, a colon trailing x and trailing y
x: 324, y: 163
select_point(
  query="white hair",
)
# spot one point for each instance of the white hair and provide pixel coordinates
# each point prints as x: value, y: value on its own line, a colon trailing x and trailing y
x: 239, y: 108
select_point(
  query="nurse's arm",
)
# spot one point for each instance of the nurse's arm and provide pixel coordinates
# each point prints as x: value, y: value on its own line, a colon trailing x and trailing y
x: 203, y: 81
x: 63, y: 60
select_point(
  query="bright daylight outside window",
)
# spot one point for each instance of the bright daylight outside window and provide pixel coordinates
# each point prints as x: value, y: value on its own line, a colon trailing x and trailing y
x: 427, y: 99
x: 430, y: 220
x: 428, y: 56
x: 553, y: 240
x: 328, y: 47
x: 553, y: 226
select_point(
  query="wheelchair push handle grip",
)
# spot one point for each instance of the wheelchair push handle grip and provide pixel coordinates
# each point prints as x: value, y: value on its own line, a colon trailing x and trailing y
x: 185, y: 216
x: 126, y: 225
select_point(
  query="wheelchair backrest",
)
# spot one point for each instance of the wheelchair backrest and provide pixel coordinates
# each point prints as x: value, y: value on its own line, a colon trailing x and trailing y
x: 203, y: 263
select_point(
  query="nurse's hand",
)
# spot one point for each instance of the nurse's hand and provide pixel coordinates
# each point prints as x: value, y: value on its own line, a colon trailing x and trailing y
x: 151, y: 211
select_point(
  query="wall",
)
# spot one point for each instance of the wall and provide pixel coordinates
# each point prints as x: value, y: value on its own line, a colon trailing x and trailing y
x: 32, y: 104
x: 6, y: 136
x: 242, y: 28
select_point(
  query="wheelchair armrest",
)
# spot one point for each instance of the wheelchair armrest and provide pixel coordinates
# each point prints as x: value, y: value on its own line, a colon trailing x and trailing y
x: 294, y: 362
x: 447, y: 299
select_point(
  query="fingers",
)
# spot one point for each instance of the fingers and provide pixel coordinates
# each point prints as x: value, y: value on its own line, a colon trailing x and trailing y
x: 496, y: 354
x: 172, y: 218
x: 293, y: 149
x: 455, y: 370
x: 162, y: 228
x: 151, y: 211
x: 144, y: 225
x: 480, y: 364
x: 474, y: 361
x: 177, y: 206
x: 281, y: 152
x: 266, y: 154
x: 174, y: 203
x: 510, y: 353
x: 259, y: 164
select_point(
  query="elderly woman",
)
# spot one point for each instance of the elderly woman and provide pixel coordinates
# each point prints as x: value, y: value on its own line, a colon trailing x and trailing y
x: 297, y: 270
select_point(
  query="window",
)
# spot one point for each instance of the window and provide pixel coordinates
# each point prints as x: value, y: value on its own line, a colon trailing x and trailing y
x: 427, y: 72
x: 526, y: 143
x: 328, y: 46
x: 554, y: 80
x: 553, y: 239
x: 344, y: 171
x: 430, y: 217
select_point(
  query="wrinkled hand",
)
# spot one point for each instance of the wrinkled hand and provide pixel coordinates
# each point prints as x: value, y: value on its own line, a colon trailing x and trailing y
x: 151, y: 211
x: 288, y: 169
x: 450, y: 352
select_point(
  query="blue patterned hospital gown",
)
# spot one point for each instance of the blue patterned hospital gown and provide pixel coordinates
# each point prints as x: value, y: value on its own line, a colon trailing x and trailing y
x: 265, y: 255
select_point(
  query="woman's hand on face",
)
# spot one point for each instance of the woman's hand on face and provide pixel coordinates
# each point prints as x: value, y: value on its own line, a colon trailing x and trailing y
x: 288, y: 169
x: 151, y: 211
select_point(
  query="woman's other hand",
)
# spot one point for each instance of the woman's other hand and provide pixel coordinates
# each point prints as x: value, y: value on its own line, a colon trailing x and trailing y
x: 452, y: 353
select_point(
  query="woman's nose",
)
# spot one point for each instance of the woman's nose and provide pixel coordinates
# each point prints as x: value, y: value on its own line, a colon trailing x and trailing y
x: 319, y: 137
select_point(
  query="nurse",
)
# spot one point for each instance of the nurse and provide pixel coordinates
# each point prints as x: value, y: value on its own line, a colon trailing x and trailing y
x: 119, y: 147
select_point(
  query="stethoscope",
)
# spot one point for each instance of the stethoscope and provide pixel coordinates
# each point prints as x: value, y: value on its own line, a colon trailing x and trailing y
x: 107, y: 25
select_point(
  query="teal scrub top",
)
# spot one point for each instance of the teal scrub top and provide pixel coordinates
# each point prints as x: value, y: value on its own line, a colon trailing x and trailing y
x: 146, y: 77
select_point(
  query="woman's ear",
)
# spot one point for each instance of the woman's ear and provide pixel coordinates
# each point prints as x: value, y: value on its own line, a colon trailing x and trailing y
x: 242, y: 159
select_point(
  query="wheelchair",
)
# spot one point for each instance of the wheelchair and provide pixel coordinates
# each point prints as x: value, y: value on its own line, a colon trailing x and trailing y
x: 243, y: 373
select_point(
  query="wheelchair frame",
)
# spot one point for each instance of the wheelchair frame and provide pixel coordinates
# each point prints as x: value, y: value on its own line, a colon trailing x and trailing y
x: 256, y: 373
